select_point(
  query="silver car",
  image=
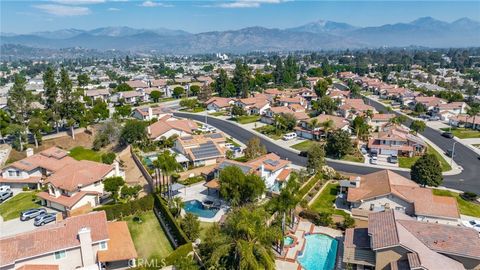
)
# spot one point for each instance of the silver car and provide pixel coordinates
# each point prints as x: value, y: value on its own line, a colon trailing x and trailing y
x: 44, y: 219
x: 5, y: 195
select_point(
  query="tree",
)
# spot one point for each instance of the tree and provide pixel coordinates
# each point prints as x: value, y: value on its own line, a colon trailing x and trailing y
x: 399, y: 119
x: 108, y: 158
x: 325, y: 105
x: 50, y: 87
x: 237, y: 111
x: 185, y: 263
x: 338, y: 144
x: 123, y: 87
x: 108, y: 132
x: 420, y: 108
x: 286, y: 201
x: 238, y: 188
x: 123, y: 110
x: 315, y: 157
x: 83, y: 79
x: 427, y: 171
x: 223, y: 86
x: 241, y: 79
x: 71, y: 109
x: 100, y: 110
x: 327, y: 126
x: 189, y: 103
x: 19, y: 103
x: 167, y: 164
x: 205, y: 93
x: 113, y: 184
x: 418, y: 126
x: 36, y: 125
x: 133, y: 131
x: 254, y: 148
x: 194, y: 90
x: 178, y: 92
x: 129, y: 192
x: 361, y: 127
x: 321, y: 87
x: 473, y: 111
x: 243, y: 242
x: 155, y: 95
x: 191, y: 226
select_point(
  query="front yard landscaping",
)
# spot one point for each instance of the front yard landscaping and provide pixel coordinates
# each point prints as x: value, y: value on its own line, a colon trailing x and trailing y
x: 324, y: 202
x: 11, y: 209
x: 270, y: 131
x: 303, y: 146
x: 81, y: 153
x: 463, y: 133
x: 355, y: 156
x: 407, y: 162
x: 246, y: 119
x: 148, y: 237
x: 221, y: 113
x: 465, y: 207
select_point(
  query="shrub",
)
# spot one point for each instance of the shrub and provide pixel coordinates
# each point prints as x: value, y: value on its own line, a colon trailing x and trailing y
x: 175, y: 229
x: 177, y: 254
x: 25, y: 188
x: 469, y: 196
x: 325, y: 219
x: 108, y: 158
x: 348, y: 222
x: 319, y: 219
x: 117, y: 211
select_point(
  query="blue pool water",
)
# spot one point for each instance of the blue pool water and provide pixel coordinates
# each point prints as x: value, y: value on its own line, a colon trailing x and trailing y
x: 195, y: 207
x: 287, y: 241
x: 320, y: 252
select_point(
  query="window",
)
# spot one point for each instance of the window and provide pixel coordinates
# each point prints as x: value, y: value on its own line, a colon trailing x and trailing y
x: 60, y: 255
x: 11, y: 173
x: 103, y: 245
x: 18, y: 173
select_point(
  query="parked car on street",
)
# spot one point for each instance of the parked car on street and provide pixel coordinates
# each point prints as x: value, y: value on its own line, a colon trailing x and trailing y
x: 289, y: 136
x: 44, y: 219
x: 5, y: 195
x: 447, y: 135
x: 4, y: 188
x: 393, y: 159
x: 374, y: 160
x: 31, y: 213
x: 449, y: 153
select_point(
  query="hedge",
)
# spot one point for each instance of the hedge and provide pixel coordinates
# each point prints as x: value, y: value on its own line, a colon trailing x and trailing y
x: 118, y: 211
x: 181, y: 252
x: 177, y: 233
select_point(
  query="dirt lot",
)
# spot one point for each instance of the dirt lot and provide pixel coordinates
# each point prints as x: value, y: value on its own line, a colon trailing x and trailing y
x: 133, y: 175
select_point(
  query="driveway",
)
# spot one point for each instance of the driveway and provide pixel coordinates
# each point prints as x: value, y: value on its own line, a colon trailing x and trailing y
x: 16, y: 226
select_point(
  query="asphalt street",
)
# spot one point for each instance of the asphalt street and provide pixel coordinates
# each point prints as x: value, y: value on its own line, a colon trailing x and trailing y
x: 468, y: 180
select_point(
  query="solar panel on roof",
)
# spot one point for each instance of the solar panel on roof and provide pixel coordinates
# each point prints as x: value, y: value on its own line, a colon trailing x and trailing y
x: 205, y: 150
x: 272, y: 162
x: 214, y: 135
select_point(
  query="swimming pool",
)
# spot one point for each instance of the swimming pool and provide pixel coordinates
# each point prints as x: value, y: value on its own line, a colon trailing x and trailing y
x: 319, y: 253
x: 195, y: 207
x: 287, y: 241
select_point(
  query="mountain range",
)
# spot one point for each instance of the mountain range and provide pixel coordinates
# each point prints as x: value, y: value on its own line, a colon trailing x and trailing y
x: 319, y: 35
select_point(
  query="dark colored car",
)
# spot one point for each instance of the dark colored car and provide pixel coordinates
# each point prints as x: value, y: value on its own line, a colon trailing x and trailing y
x: 31, y: 213
x: 303, y: 153
x: 447, y: 135
x: 44, y: 219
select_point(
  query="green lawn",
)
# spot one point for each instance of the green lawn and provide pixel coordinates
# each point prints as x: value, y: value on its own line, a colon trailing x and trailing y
x: 303, y: 146
x: 218, y: 113
x: 270, y: 131
x: 463, y: 133
x: 324, y: 202
x: 230, y: 140
x: 406, y: 162
x: 80, y: 153
x: 356, y: 156
x: 148, y: 237
x: 194, y: 110
x: 466, y: 207
x: 11, y: 209
x: 306, y: 188
x: 246, y: 119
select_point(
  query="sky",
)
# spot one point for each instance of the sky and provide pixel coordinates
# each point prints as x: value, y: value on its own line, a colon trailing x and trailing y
x: 23, y: 17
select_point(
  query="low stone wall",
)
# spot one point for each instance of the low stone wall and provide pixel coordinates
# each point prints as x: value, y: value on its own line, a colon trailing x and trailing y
x: 143, y: 170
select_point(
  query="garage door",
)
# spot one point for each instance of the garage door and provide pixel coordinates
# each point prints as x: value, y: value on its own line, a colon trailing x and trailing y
x: 388, y: 152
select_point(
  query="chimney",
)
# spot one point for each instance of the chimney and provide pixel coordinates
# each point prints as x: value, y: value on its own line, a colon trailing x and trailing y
x: 86, y: 248
x: 117, y: 168
x: 29, y: 152
x: 150, y: 113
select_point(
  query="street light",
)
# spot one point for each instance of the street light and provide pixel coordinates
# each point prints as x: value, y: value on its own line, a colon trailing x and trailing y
x: 453, y: 153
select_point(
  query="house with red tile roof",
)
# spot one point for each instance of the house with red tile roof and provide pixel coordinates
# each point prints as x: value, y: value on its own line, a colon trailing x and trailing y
x: 219, y: 104
x: 137, y: 84
x: 380, y: 119
x: 394, y: 240
x: 269, y: 116
x: 148, y: 113
x: 168, y: 126
x: 385, y: 189
x: 395, y: 140
x: 94, y: 94
x: 464, y: 120
x: 202, y: 150
x: 352, y: 107
x: 254, y: 105
x: 429, y: 102
x: 312, y: 128
x: 79, y: 242
x: 449, y: 110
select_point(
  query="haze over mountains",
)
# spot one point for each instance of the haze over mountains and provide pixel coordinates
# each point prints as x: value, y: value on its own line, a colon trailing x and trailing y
x: 426, y: 32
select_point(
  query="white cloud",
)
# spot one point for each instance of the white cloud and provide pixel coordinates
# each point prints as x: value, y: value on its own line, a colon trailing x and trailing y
x: 63, y: 11
x: 154, y: 4
x: 79, y: 2
x: 248, y: 3
x: 113, y: 9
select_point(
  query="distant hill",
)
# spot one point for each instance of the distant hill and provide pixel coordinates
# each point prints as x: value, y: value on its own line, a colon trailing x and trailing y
x: 426, y: 32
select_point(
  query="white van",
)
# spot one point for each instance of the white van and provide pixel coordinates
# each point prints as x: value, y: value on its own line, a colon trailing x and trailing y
x: 289, y: 136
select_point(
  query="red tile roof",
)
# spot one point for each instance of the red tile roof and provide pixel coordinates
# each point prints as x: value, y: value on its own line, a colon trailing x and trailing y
x: 38, y: 267
x: 67, y: 201
x: 120, y: 244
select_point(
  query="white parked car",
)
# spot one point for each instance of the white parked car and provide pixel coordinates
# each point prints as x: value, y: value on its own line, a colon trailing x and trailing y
x: 289, y: 136
x: 4, y: 188
x: 373, y: 160
x: 474, y: 224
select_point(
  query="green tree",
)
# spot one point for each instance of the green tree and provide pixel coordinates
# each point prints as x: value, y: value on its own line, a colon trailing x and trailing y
x: 399, y: 119
x: 418, y: 126
x: 5, y: 122
x: 178, y: 92
x: 254, y: 148
x: 123, y: 87
x: 315, y: 72
x: 194, y: 90
x: 71, y: 109
x: 36, y: 125
x: 223, y: 86
x: 19, y: 103
x: 427, y: 171
x: 473, y: 111
x: 241, y: 79
x: 189, y: 103
x: 315, y: 157
x: 185, y: 263
x: 155, y: 95
x: 420, y: 108
x: 361, y: 127
x: 134, y: 131
x: 325, y: 105
x: 123, y: 111
x: 321, y: 88
x: 238, y: 188
x: 238, y: 111
x: 167, y: 165
x: 130, y: 192
x: 83, y: 79
x: 51, y: 88
x: 108, y: 158
x: 338, y: 144
x: 100, y: 110
x: 191, y: 226
x: 327, y: 126
x: 113, y: 185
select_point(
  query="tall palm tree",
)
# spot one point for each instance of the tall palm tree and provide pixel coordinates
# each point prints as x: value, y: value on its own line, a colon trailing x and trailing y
x: 168, y: 165
x: 472, y: 112
x: 327, y: 126
x: 244, y: 241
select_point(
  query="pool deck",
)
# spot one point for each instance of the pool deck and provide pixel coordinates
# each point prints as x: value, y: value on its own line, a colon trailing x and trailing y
x: 199, y: 192
x: 288, y: 259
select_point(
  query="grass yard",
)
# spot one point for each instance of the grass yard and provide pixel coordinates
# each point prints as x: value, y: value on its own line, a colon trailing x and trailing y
x: 464, y: 133
x: 356, y: 156
x: 270, y: 131
x: 466, y: 207
x: 11, y: 209
x: 246, y: 119
x: 148, y: 237
x: 81, y: 153
x: 309, y: 185
x: 324, y: 202
x: 303, y: 146
x: 218, y: 113
x: 407, y: 162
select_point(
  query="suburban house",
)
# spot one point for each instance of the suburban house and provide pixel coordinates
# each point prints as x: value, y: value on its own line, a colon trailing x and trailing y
x: 308, y: 94
x: 383, y: 190
x: 168, y: 126
x: 94, y: 94
x: 149, y: 113
x: 394, y: 240
x: 354, y: 106
x: 202, y: 150
x: 254, y: 105
x: 219, y: 104
x: 273, y: 170
x: 312, y: 128
x: 269, y: 116
x: 131, y: 97
x: 380, y: 119
x: 347, y: 75
x: 137, y: 84
x: 288, y: 101
x: 429, y: 102
x: 339, y: 95
x: 395, y: 140
x: 86, y: 241
x: 449, y: 110
x: 464, y: 120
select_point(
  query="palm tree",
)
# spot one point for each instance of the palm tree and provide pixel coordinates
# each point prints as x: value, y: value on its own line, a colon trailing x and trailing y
x: 313, y: 124
x: 244, y: 241
x: 472, y: 112
x: 369, y: 114
x: 168, y: 165
x: 327, y: 126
